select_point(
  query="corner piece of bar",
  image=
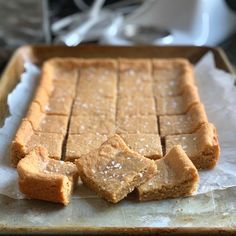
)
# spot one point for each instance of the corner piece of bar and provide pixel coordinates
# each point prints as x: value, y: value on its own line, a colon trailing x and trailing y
x: 176, y: 177
x: 43, y: 178
x: 113, y: 170
x: 202, y: 147
x: 26, y: 139
x: 178, y: 105
x: 183, y: 124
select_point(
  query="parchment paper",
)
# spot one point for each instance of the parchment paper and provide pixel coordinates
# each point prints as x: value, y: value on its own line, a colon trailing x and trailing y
x: 217, y: 92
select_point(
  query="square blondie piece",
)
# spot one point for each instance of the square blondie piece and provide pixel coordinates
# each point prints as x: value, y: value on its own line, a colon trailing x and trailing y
x: 202, y: 147
x: 63, y: 91
x: 176, y: 177
x: 81, y: 144
x: 135, y: 72
x: 59, y: 106
x: 128, y: 88
x: 26, y: 140
x: 54, y: 72
x: 137, y: 124
x: 164, y: 88
x: 42, y: 122
x: 171, y: 69
x: 135, y: 78
x: 92, y: 105
x: 98, y: 89
x: 148, y: 145
x: 62, y: 72
x: 51, y: 141
x: 183, y: 124
x: 113, y: 170
x: 135, y: 106
x: 46, y: 179
x: 171, y: 77
x: 179, y: 104
x: 102, y: 124
x: 167, y: 88
x: 53, y: 106
x: 134, y: 67
x: 98, y: 78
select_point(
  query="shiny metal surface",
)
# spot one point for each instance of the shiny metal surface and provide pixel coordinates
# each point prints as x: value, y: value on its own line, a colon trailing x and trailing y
x: 144, y: 34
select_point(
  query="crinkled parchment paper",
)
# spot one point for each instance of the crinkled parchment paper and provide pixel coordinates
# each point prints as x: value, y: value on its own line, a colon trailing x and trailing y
x: 217, y: 92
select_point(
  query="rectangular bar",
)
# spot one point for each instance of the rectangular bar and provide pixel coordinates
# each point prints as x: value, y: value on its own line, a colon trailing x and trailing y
x: 202, y: 146
x: 135, y: 78
x: 137, y: 124
x: 177, y: 105
x: 81, y: 144
x: 135, y: 106
x: 183, y: 124
x: 101, y: 124
x: 148, y: 145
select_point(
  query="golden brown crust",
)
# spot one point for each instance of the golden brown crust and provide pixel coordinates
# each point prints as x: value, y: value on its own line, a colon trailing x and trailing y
x: 22, y: 136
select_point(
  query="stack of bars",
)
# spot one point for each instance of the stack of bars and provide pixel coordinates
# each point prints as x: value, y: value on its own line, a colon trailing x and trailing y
x: 153, y: 104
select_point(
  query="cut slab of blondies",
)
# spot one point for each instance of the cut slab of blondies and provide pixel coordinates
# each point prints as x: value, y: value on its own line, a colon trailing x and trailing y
x: 179, y: 104
x: 26, y: 139
x: 148, y: 145
x: 183, y: 124
x: 81, y: 144
x: 113, y: 170
x: 136, y: 124
x: 202, y: 147
x: 176, y: 177
x: 43, y: 178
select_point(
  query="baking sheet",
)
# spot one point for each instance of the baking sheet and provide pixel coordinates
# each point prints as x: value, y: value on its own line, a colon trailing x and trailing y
x: 86, y: 210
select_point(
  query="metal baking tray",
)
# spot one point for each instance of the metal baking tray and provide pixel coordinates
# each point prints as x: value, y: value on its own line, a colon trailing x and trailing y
x: 214, y: 212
